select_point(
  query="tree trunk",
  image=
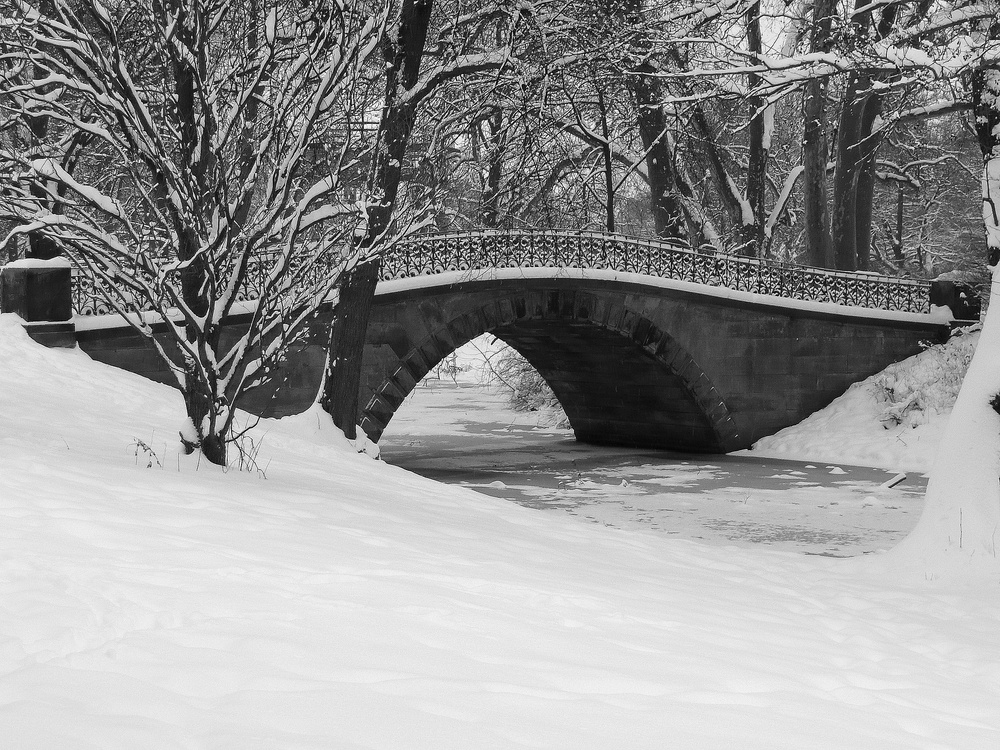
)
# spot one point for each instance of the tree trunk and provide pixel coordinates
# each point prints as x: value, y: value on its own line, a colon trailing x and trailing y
x: 819, y: 250
x: 897, y: 240
x: 960, y: 525
x: 668, y: 215
x: 208, y: 417
x: 490, y: 214
x: 865, y: 198
x: 357, y: 287
x: 347, y: 337
x: 845, y: 176
x: 857, y: 143
x: 865, y: 193
x: 40, y: 245
x: 609, y: 174
x: 753, y: 234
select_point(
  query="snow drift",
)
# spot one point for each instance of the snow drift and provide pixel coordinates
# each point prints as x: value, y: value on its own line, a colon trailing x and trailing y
x: 147, y: 601
x: 893, y: 420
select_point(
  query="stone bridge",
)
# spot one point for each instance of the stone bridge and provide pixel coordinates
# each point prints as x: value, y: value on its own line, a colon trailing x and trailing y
x: 644, y: 343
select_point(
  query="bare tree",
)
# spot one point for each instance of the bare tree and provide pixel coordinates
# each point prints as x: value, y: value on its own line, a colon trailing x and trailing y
x: 219, y: 133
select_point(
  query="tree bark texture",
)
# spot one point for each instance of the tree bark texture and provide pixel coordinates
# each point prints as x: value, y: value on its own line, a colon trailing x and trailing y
x: 496, y: 142
x: 668, y: 216
x: 961, y: 512
x: 819, y: 249
x: 607, y: 157
x: 40, y: 245
x: 753, y: 234
x: 347, y: 344
x: 845, y: 177
x: 857, y: 144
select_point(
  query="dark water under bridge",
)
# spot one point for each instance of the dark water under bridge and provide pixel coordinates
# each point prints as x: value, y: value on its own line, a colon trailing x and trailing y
x: 644, y: 343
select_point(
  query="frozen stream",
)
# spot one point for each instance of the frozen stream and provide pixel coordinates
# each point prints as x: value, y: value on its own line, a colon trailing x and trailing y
x: 464, y: 434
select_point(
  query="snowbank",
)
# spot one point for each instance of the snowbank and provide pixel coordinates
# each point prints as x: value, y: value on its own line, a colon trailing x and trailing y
x: 893, y: 420
x: 149, y: 601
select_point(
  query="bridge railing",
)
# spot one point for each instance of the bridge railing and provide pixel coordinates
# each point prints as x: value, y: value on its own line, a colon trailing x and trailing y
x: 433, y: 254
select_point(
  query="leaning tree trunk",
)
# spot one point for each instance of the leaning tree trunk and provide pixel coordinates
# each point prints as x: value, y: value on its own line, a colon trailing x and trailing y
x: 357, y: 286
x: 960, y: 524
x: 347, y: 343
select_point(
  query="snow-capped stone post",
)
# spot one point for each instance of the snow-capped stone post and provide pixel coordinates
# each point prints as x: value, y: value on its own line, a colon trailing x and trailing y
x: 960, y: 524
x: 40, y: 292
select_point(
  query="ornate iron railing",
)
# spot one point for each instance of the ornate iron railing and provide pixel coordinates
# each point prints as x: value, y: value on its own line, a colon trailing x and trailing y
x: 432, y: 254
x: 87, y: 297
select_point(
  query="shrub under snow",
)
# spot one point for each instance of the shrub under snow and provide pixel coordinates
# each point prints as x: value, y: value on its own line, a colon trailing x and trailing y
x: 893, y: 419
x: 927, y: 383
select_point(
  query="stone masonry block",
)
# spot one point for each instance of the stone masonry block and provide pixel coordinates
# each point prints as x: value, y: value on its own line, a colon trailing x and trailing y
x: 40, y: 293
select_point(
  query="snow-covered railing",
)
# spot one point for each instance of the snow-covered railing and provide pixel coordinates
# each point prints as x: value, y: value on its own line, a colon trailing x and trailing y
x: 423, y: 255
x: 432, y: 254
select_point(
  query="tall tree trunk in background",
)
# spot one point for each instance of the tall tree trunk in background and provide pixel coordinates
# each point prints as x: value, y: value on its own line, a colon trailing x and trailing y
x: 869, y: 147
x: 647, y: 92
x: 845, y: 177
x: 759, y: 141
x: 40, y: 245
x: 864, y: 211
x: 865, y: 188
x: 357, y: 286
x: 897, y: 240
x: 496, y: 141
x: 848, y: 161
x: 819, y: 250
x: 609, y: 173
x: 668, y: 215
x: 857, y: 143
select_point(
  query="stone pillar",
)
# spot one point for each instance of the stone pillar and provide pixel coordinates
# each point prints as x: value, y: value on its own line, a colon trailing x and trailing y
x: 41, y: 293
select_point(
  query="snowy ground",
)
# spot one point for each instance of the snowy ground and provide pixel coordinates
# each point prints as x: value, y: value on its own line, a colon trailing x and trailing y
x: 147, y: 601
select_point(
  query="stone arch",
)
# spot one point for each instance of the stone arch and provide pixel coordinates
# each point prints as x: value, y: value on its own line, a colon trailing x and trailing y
x: 563, y: 322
